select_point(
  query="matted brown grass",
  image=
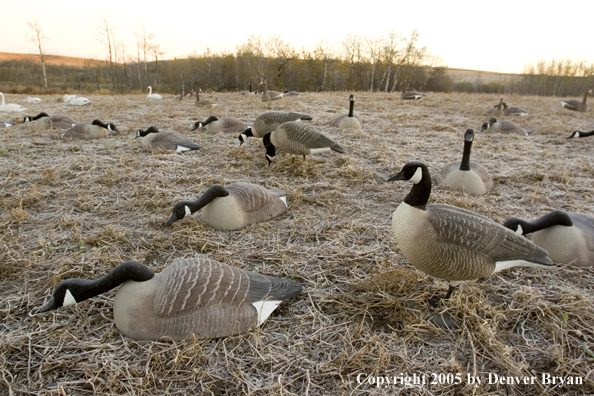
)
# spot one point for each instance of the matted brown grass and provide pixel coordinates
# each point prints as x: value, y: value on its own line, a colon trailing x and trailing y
x: 79, y: 208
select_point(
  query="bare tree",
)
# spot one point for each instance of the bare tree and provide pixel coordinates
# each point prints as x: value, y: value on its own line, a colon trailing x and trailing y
x: 389, y: 52
x: 106, y: 37
x: 374, y: 48
x: 325, y: 52
x: 38, y: 37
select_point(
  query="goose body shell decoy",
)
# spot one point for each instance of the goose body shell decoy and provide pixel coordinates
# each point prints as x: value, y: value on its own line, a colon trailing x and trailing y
x: 514, y: 111
x: 504, y: 126
x: 202, y: 102
x: 56, y: 121
x: 292, y: 93
x: 349, y: 120
x: 225, y: 125
x: 168, y: 140
x: 452, y: 243
x: 269, y: 96
x: 575, y: 104
x: 6, y: 124
x: 567, y: 237
x: 269, y: 121
x: 196, y: 296
x: 299, y: 139
x: 90, y: 130
x: 578, y: 134
x: 232, y: 207
x: 496, y: 110
x: 466, y: 175
x: 409, y: 95
x: 10, y: 106
x: 79, y: 101
x: 152, y: 95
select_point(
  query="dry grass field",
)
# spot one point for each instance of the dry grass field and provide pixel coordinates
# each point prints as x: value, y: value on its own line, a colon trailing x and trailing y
x: 79, y: 208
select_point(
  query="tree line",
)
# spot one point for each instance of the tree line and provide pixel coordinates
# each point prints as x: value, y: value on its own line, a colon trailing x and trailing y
x: 357, y: 63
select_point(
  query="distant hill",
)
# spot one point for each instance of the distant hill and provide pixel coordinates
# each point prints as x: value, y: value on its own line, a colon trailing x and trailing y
x: 484, y: 77
x: 51, y: 59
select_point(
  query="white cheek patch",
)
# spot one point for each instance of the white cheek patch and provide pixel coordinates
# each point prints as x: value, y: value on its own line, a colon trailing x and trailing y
x: 109, y: 127
x: 520, y: 231
x: 319, y: 150
x: 188, y: 211
x: 68, y: 299
x: 418, y: 176
x: 284, y: 199
x: 265, y: 308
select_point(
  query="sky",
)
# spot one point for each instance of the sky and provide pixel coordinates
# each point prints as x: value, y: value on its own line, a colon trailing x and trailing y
x: 492, y: 36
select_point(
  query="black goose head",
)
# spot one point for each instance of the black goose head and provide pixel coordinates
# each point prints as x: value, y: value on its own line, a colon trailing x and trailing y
x: 417, y: 173
x: 244, y: 135
x: 523, y: 227
x: 143, y: 133
x: 179, y: 211
x: 200, y: 124
x: 485, y: 126
x: 186, y: 208
x: 492, y: 121
x: 352, y: 98
x: 270, y: 149
x: 38, y: 116
x: 111, y: 126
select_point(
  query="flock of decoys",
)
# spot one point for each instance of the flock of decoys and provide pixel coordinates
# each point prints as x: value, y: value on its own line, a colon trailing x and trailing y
x: 210, y: 299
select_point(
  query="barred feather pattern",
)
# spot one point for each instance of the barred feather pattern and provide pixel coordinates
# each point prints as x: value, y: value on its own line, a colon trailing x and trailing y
x: 297, y: 138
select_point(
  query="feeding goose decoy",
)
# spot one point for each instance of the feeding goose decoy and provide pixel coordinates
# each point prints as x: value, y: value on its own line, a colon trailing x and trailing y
x: 576, y: 104
x: 514, y: 111
x: 269, y: 121
x: 168, y: 140
x: 6, y: 124
x: 269, y: 96
x: 10, y: 106
x: 152, y: 95
x: 79, y: 101
x: 496, y: 110
x: 452, y: 243
x: 198, y: 296
x: 225, y: 124
x: 504, y: 126
x: 578, y: 134
x: 567, y: 237
x: 56, y: 121
x: 299, y: 139
x: 349, y: 120
x: 202, y: 102
x: 465, y: 175
x: 90, y: 130
x: 409, y: 95
x: 232, y: 207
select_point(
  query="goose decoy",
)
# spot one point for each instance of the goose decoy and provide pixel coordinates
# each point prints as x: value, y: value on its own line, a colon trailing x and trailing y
x: 514, y: 111
x: 452, y: 243
x: 55, y: 121
x: 409, y: 95
x: 151, y: 95
x: 90, y: 130
x: 567, y: 237
x: 10, y: 106
x: 196, y: 296
x: 244, y: 93
x: 466, y: 175
x: 292, y: 93
x: 575, y: 104
x: 79, y: 101
x: 232, y: 207
x: 168, y: 140
x: 6, y: 124
x: 578, y: 134
x: 32, y: 100
x: 297, y: 138
x: 504, y: 126
x: 349, y: 120
x: 497, y: 109
x: 66, y: 98
x: 269, y: 121
x: 225, y: 124
x: 202, y: 102
x: 269, y: 96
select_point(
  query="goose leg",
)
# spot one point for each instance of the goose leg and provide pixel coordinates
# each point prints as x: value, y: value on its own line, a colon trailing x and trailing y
x: 450, y: 291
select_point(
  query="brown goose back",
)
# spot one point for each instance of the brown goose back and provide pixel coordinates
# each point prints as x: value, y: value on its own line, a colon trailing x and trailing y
x: 269, y: 121
x: 300, y: 139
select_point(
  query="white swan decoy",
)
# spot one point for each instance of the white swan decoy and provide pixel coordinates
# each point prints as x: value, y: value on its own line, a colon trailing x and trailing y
x: 151, y: 95
x: 10, y: 106
x: 79, y: 101
x: 32, y: 100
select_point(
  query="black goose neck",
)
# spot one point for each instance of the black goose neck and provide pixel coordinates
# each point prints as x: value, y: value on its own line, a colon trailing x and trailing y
x: 351, y: 108
x: 420, y: 192
x: 556, y: 217
x: 213, y: 192
x: 465, y: 164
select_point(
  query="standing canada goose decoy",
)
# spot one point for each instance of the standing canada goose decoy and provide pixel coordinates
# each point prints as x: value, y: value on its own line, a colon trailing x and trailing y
x: 349, y: 120
x: 79, y: 101
x: 232, y: 207
x: 6, y: 124
x: 269, y: 96
x: 151, y: 95
x: 90, y: 130
x: 496, y: 110
x: 409, y: 95
x: 452, y: 243
x: 567, y: 237
x: 225, y: 124
x: 297, y: 138
x: 575, y: 104
x: 10, y: 106
x: 196, y: 296
x: 514, y: 111
x: 578, y: 134
x: 466, y: 175
x: 32, y: 100
x: 504, y: 126
x: 168, y: 140
x: 202, y: 102
x: 55, y: 121
x: 269, y: 121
